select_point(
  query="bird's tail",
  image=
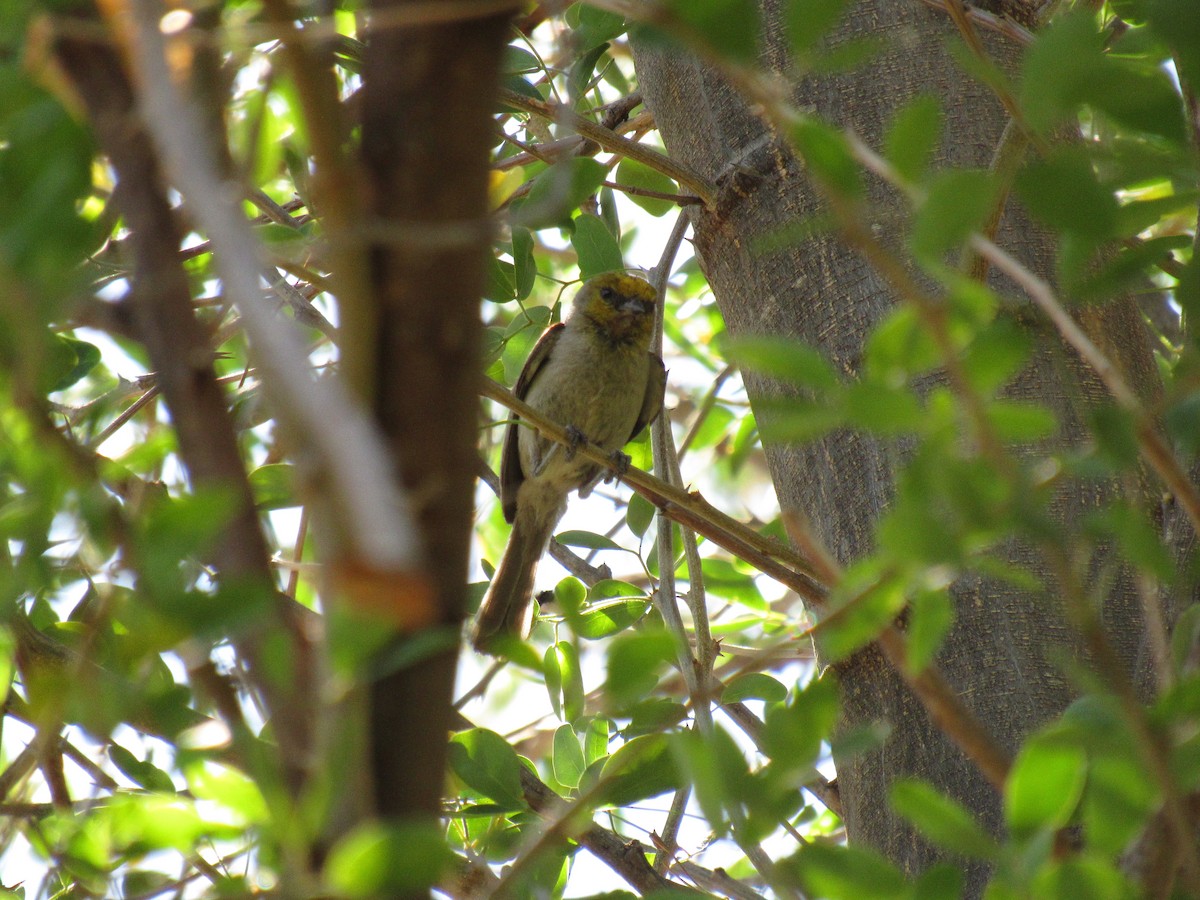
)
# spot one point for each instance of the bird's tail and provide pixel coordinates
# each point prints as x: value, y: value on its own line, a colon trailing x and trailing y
x: 507, y: 610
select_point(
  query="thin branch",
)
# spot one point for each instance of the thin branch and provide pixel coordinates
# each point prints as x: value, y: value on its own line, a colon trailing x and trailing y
x: 1012, y: 30
x: 717, y: 881
x: 687, y: 508
x: 666, y: 844
x: 695, y: 676
x: 958, y: 13
x: 101, y: 778
x: 124, y: 416
x: 344, y: 452
x: 18, y: 769
x: 1150, y: 744
x: 1151, y: 443
x: 626, y: 858
x: 707, y: 404
x: 752, y: 726
x: 614, y: 143
x: 696, y: 669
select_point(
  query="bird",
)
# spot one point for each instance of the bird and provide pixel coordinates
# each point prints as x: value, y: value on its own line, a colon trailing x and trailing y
x: 595, y: 374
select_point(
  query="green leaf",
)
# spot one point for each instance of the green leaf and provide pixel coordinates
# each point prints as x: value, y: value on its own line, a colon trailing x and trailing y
x: 519, y: 85
x: 273, y: 486
x: 634, y: 174
x: 588, y: 540
x: 807, y: 21
x: 723, y: 578
x: 557, y: 192
x: 940, y: 882
x: 231, y: 788
x: 1063, y: 191
x: 160, y: 821
x: 178, y: 528
x: 657, y: 714
x: 1185, y: 639
x: 1020, y: 421
x: 46, y: 159
x: 606, y: 619
x: 639, y: 514
x: 829, y: 158
x: 797, y: 421
x: 941, y: 820
x: 73, y: 360
x: 847, y: 873
x: 609, y: 214
x: 1139, y: 97
x: 714, y: 428
x: 913, y: 135
x: 1182, y: 419
x: 141, y: 772
x: 500, y: 286
x: 612, y: 589
x: 485, y: 762
x: 754, y: 686
x: 1119, y: 799
x: 640, y: 769
x: 388, y: 860
x: 595, y: 739
x: 569, y: 594
x: 1058, y: 67
x: 996, y: 355
x: 517, y: 61
x: 1128, y: 266
x: 882, y: 409
x: 856, y: 616
x: 930, y: 618
x: 568, y: 759
x: 957, y: 202
x: 730, y: 27
x: 595, y: 247
x: 552, y: 672
x: 597, y: 26
x: 1082, y: 878
x: 134, y: 883
x: 1044, y: 786
x: 524, y: 265
x: 581, y: 74
x: 572, y: 680
x: 716, y: 769
x: 1174, y: 23
x: 793, y: 733
x: 1114, y: 431
x: 8, y: 651
x: 900, y: 347
x: 785, y: 359
x: 634, y: 663
x: 1138, y: 540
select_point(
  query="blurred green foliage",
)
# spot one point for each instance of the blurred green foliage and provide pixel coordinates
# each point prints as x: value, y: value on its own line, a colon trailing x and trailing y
x: 121, y: 774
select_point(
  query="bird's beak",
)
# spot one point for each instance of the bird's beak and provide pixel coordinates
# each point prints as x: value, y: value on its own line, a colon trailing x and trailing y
x: 635, y: 306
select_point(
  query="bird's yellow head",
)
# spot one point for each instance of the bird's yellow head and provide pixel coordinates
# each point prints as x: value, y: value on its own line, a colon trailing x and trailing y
x: 619, y: 306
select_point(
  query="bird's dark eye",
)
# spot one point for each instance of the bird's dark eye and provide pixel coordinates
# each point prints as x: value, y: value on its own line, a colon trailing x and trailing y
x: 607, y: 293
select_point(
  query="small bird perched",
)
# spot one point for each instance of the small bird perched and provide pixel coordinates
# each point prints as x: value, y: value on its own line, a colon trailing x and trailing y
x: 594, y: 374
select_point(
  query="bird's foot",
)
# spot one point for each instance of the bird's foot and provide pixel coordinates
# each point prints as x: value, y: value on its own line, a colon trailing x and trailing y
x: 575, y: 440
x: 618, y: 465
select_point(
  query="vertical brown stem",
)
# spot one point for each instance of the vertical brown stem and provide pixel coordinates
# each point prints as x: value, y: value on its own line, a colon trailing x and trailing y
x: 427, y: 133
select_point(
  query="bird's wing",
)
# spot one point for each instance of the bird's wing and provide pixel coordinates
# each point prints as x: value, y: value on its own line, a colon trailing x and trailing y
x: 511, y: 474
x: 652, y: 401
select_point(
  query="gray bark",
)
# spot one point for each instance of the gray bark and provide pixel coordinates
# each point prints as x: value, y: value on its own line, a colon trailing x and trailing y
x: 1006, y: 652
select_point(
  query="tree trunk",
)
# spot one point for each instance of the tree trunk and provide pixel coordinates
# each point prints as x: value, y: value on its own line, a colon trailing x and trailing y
x: 427, y: 134
x: 1004, y: 654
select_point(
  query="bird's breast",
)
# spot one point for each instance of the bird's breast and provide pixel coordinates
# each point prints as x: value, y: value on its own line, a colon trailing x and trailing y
x: 595, y: 387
